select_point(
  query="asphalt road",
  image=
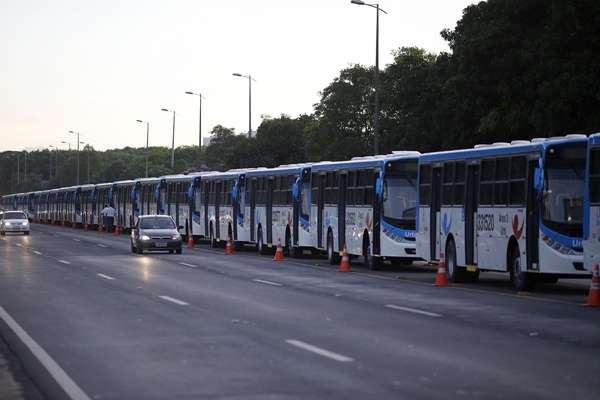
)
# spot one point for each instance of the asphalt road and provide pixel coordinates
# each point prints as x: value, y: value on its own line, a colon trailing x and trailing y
x: 206, y: 325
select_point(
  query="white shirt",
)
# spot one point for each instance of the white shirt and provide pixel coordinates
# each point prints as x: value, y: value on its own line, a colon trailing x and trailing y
x: 108, y: 211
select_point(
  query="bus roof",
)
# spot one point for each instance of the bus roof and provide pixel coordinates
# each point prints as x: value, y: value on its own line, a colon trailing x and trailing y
x: 500, y: 149
x: 281, y: 170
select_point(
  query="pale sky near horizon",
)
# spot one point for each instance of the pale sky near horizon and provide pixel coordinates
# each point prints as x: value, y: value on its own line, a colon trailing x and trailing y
x: 95, y: 67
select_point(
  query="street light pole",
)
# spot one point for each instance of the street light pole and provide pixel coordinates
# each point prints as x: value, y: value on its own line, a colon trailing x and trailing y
x: 50, y: 162
x: 199, y: 116
x: 77, y: 133
x: 88, y: 147
x: 147, y: 140
x: 250, y: 79
x: 172, y: 140
x: 377, y: 116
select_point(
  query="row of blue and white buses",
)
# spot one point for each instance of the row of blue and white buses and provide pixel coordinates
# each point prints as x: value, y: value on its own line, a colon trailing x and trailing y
x: 528, y: 208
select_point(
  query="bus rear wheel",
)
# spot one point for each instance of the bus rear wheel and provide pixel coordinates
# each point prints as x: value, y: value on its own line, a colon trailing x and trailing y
x: 455, y: 273
x: 522, y: 281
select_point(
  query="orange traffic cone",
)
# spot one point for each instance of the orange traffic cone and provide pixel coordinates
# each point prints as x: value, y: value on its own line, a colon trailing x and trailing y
x: 594, y: 296
x: 441, y: 278
x: 279, y: 252
x: 229, y: 248
x: 345, y: 262
x: 190, y: 242
x: 117, y: 230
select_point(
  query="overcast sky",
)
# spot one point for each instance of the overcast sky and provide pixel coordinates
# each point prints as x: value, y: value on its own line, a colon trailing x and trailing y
x: 97, y: 66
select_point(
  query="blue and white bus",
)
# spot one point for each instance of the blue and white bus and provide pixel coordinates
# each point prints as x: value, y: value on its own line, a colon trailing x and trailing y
x: 510, y: 207
x: 591, y: 225
x: 367, y: 204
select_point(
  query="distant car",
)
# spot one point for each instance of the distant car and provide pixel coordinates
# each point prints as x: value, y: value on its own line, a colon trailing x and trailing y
x: 155, y: 232
x: 14, y: 221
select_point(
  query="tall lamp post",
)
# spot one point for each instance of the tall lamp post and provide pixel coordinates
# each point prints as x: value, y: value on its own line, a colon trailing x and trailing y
x: 77, y: 133
x: 250, y: 79
x: 50, y: 161
x: 377, y: 117
x: 147, y: 140
x: 173, y: 139
x: 200, y: 97
x: 87, y: 147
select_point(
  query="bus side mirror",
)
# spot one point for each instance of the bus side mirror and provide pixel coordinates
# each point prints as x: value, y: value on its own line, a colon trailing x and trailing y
x: 538, y: 180
x: 379, y: 187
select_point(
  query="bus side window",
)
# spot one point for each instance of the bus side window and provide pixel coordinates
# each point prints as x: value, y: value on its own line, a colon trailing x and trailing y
x: 459, y: 184
x: 448, y: 178
x: 501, y: 190
x: 595, y: 176
x: 517, y: 189
x: 486, y: 188
x: 425, y: 185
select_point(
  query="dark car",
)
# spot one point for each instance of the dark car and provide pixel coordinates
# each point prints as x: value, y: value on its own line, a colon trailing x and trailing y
x: 155, y: 232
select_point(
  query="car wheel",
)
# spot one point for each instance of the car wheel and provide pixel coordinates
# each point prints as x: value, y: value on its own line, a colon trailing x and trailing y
x: 3, y: 233
x: 133, y: 249
x: 171, y: 251
x: 26, y: 233
x: 139, y: 249
x: 332, y: 256
x: 178, y: 250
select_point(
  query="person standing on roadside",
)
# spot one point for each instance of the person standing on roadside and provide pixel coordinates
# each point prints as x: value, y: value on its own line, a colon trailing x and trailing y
x: 108, y: 216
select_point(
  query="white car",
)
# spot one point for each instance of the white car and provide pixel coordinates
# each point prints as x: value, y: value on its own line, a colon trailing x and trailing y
x: 14, y: 221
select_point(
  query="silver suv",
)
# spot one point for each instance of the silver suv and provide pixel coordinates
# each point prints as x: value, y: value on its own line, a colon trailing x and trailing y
x: 14, y: 221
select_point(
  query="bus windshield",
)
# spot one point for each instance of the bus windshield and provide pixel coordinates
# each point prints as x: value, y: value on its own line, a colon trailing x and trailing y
x: 400, y: 193
x: 562, y: 204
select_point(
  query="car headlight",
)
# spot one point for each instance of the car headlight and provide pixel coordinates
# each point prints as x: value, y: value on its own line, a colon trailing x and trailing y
x: 145, y: 237
x: 24, y: 223
x: 176, y: 237
x: 7, y: 223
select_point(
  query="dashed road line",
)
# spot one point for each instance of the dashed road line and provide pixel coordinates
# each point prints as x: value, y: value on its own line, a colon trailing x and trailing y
x: 37, y: 252
x: 18, y: 245
x: 76, y: 240
x: 102, y: 245
x: 413, y: 310
x: 64, y: 262
x: 267, y: 282
x: 188, y: 265
x: 110, y: 278
x: 173, y: 300
x: 320, y: 351
x: 69, y: 386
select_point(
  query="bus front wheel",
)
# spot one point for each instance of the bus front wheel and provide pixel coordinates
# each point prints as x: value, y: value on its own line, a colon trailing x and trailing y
x: 522, y: 281
x: 332, y: 256
x: 455, y: 273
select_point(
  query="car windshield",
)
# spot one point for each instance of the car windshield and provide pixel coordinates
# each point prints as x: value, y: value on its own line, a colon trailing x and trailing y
x: 156, y: 223
x: 400, y: 193
x: 14, y: 215
x: 563, y: 188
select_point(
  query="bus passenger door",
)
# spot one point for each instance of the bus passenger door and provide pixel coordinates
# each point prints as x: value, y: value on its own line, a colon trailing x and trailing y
x: 296, y: 209
x: 377, y: 202
x: 342, y: 210
x: 252, y: 200
x: 218, y: 189
x: 436, y: 188
x: 270, y: 183
x: 532, y: 230
x: 470, y: 210
x: 320, y: 205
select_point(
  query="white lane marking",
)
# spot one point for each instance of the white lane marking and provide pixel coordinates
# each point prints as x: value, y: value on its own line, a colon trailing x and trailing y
x: 110, y: 278
x: 267, y: 282
x: 319, y: 351
x: 77, y: 240
x: 188, y: 265
x: 18, y: 245
x: 59, y: 375
x: 172, y: 300
x: 37, y: 252
x: 413, y: 310
x: 102, y: 245
x: 64, y: 262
